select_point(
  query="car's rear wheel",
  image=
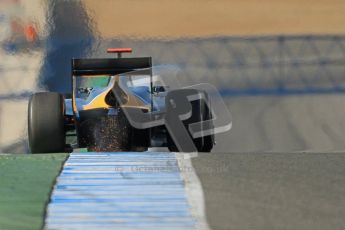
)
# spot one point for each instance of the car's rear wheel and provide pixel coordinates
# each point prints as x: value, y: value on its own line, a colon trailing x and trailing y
x: 46, y: 123
x: 200, y: 112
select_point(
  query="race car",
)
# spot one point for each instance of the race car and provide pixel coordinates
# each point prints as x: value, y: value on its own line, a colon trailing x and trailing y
x: 116, y: 104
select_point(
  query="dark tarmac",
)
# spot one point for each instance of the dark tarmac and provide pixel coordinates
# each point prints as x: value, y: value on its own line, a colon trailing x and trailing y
x: 273, y: 190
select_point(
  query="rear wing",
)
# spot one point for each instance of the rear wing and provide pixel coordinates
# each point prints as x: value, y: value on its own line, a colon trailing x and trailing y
x: 111, y: 66
x: 107, y: 66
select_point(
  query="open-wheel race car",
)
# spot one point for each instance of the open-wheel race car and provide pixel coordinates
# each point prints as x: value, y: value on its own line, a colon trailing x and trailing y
x: 113, y: 106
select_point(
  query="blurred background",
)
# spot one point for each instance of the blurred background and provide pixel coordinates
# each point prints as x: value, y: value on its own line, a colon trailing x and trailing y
x: 279, y: 65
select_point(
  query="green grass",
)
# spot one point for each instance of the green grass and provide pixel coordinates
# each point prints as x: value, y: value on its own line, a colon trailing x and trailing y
x: 25, y: 184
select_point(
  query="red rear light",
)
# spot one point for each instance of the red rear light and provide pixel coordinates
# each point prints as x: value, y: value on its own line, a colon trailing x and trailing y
x: 119, y: 50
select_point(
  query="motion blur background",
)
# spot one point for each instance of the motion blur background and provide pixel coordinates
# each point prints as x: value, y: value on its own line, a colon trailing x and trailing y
x: 279, y: 65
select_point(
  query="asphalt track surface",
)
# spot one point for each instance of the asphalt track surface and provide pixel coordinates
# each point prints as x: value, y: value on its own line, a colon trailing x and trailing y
x: 312, y: 123
x: 273, y: 190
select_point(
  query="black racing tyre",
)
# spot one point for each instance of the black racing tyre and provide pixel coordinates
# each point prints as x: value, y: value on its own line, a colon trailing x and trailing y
x: 200, y: 112
x: 46, y: 129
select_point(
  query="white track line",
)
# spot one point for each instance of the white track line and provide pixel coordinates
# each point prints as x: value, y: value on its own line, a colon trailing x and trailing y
x: 150, y: 190
x: 193, y: 189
